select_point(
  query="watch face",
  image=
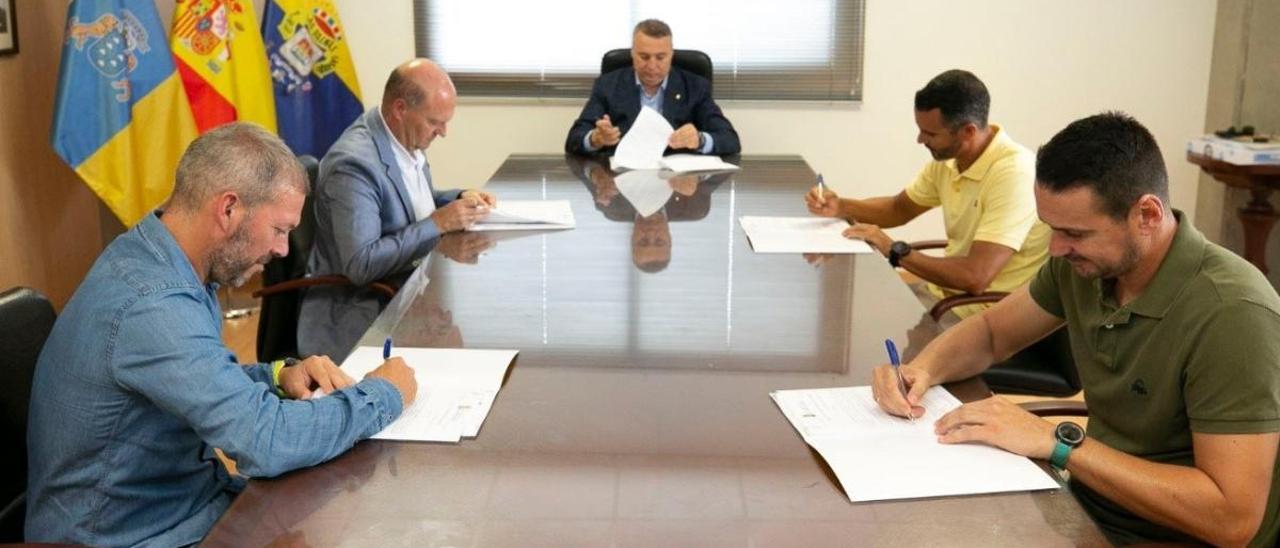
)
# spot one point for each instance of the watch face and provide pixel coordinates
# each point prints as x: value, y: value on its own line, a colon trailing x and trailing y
x: 1070, y: 433
x: 900, y: 248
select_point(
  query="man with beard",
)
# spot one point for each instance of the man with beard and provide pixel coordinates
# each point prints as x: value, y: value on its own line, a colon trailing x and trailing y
x: 1177, y: 341
x: 982, y: 180
x: 134, y: 388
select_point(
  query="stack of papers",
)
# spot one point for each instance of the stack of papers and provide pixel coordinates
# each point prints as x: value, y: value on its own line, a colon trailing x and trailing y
x: 527, y: 215
x: 877, y: 456
x: 1236, y: 152
x: 456, y: 389
x: 800, y: 235
x: 694, y: 162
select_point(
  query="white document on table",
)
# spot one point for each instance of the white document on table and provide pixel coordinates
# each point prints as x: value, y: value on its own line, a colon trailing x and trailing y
x: 456, y: 389
x: 527, y: 215
x: 877, y: 456
x: 644, y: 143
x: 645, y: 189
x: 800, y: 235
x: 695, y: 162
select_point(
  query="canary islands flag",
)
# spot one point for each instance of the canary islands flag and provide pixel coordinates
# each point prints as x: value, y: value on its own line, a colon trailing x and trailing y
x: 222, y: 62
x: 317, y: 95
x: 121, y: 119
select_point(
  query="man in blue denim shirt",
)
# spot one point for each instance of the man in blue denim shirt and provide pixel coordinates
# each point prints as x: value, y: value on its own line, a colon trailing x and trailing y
x: 134, y: 387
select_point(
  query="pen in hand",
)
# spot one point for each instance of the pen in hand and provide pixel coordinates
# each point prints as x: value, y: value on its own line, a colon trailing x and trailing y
x: 386, y: 349
x: 897, y: 372
x: 822, y: 191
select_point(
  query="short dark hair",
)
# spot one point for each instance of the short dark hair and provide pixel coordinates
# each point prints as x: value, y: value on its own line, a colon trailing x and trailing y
x: 961, y: 97
x: 653, y: 28
x: 401, y: 87
x: 1110, y: 153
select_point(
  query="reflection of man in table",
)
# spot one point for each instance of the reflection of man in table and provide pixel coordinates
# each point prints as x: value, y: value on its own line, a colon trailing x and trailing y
x: 1176, y: 339
x: 690, y: 200
x: 680, y: 96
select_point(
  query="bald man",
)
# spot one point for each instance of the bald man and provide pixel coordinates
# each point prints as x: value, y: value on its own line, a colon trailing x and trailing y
x: 376, y: 207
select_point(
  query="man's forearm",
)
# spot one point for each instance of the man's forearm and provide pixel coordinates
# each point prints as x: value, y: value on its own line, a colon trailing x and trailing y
x: 955, y: 272
x: 881, y: 211
x: 1185, y: 498
x: 959, y: 352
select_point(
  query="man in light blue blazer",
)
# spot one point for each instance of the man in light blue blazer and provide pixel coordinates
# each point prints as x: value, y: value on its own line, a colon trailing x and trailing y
x: 377, y: 211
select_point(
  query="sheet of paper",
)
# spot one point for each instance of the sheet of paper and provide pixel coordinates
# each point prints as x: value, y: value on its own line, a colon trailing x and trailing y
x: 644, y: 142
x: 645, y: 189
x: 456, y: 389
x: 800, y: 235
x: 695, y: 162
x: 876, y: 456
x: 527, y: 215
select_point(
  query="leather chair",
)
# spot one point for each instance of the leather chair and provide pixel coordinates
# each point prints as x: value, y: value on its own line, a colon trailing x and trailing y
x: 1045, y: 368
x: 284, y: 277
x: 691, y: 60
x: 26, y: 318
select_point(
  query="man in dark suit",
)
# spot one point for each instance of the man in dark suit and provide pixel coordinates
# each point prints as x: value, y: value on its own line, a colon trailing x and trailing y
x: 682, y: 97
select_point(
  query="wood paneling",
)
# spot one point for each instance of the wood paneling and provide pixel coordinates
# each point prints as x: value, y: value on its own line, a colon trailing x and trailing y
x: 49, y: 219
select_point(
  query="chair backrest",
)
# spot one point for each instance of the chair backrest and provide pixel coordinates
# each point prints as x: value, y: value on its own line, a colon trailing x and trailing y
x: 26, y: 318
x: 1045, y: 368
x: 278, y: 319
x: 691, y: 60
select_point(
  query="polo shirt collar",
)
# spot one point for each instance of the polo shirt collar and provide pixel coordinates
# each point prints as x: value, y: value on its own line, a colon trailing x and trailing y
x: 999, y: 143
x: 1178, y: 268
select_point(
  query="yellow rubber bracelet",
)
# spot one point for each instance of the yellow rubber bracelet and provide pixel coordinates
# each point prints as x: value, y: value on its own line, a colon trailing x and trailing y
x: 276, y: 366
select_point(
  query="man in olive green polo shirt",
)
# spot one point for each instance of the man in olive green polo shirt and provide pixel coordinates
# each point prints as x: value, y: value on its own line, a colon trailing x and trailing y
x: 983, y: 181
x: 1176, y: 339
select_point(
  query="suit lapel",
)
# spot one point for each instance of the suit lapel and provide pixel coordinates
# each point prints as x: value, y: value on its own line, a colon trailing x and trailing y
x: 676, y: 98
x: 628, y: 98
x: 387, y: 154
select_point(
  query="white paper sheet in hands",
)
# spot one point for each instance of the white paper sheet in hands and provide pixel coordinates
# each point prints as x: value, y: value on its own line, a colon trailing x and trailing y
x: 644, y: 143
x: 799, y: 235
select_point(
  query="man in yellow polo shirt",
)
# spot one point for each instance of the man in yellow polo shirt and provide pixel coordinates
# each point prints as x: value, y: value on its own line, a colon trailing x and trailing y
x: 983, y: 181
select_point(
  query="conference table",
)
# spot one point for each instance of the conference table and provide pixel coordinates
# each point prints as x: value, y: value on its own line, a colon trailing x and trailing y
x: 637, y: 412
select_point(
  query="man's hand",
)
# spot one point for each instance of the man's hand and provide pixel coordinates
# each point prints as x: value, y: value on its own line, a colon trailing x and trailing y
x: 999, y: 422
x: 871, y: 234
x: 822, y: 202
x: 395, y: 371
x: 605, y: 134
x: 465, y: 247
x: 459, y: 215
x: 888, y: 394
x: 686, y: 136
x: 317, y: 372
x: 479, y: 196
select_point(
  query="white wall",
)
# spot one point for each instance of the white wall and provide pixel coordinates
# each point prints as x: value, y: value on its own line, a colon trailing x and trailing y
x: 1046, y: 62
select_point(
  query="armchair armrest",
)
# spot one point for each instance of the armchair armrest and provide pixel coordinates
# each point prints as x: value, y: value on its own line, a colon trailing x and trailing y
x: 929, y: 244
x: 953, y: 301
x: 293, y: 285
x: 1056, y: 408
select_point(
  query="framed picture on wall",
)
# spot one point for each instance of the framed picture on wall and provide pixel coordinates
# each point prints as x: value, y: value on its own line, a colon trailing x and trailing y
x: 8, y: 28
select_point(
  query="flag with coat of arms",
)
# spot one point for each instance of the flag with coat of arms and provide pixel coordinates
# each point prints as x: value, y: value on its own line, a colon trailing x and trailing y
x: 316, y: 92
x: 222, y: 62
x: 121, y: 119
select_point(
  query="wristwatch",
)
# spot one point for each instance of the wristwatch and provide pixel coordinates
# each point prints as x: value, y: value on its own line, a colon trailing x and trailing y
x: 1067, y: 436
x: 898, y: 250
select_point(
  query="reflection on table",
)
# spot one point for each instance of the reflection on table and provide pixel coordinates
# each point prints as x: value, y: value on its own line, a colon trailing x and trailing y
x: 637, y: 413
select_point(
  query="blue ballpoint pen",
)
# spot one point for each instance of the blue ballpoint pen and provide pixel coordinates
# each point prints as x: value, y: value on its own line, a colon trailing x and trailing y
x: 386, y: 349
x: 897, y: 371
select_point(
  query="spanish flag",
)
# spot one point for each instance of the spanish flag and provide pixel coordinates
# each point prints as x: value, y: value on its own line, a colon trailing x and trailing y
x: 222, y: 62
x: 121, y: 118
x: 316, y: 92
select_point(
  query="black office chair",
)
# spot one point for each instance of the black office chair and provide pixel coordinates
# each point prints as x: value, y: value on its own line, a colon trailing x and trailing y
x: 1045, y: 368
x: 26, y: 318
x: 691, y: 60
x: 284, y: 277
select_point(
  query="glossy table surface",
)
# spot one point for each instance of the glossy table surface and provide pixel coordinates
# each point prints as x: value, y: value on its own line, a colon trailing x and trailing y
x: 637, y: 412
